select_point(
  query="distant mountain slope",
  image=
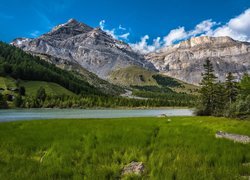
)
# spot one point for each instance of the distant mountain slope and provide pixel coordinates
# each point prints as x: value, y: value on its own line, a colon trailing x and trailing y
x: 101, y: 84
x: 18, y: 64
x: 134, y: 76
x: 79, y: 44
x: 185, y: 60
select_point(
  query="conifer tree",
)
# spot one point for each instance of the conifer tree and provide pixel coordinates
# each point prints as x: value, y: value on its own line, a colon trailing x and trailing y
x: 41, y: 94
x: 220, y: 99
x: 245, y: 86
x: 231, y: 88
x: 207, y: 91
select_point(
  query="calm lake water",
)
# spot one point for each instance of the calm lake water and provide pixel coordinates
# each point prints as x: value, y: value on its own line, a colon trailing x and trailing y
x: 32, y: 114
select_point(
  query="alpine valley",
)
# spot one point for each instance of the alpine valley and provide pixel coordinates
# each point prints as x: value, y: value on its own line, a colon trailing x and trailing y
x: 86, y: 61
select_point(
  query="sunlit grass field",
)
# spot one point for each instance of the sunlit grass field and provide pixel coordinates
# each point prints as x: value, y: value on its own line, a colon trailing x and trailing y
x: 31, y: 87
x: 171, y: 148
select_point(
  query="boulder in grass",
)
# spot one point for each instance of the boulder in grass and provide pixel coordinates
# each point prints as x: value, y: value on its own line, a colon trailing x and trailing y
x: 234, y: 137
x: 136, y: 168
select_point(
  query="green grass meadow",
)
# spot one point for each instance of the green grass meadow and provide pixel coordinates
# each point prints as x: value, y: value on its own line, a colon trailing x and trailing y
x: 50, y: 88
x: 171, y: 148
x: 31, y: 87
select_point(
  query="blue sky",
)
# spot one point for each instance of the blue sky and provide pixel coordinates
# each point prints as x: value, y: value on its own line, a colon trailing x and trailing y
x: 146, y: 19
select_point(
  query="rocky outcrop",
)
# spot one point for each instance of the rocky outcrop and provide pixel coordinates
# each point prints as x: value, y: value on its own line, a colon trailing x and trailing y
x: 185, y: 60
x: 234, y: 137
x: 85, y: 46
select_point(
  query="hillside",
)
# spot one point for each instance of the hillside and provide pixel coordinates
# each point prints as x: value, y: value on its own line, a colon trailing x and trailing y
x: 31, y: 87
x: 101, y: 84
x: 184, y: 61
x: 136, y: 76
x: 19, y: 65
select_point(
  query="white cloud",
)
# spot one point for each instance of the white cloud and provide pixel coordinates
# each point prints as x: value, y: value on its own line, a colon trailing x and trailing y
x: 109, y: 32
x: 237, y: 28
x: 122, y: 28
x: 102, y: 24
x: 175, y: 35
x: 204, y: 27
x: 241, y: 24
x: 124, y: 36
x: 143, y: 47
x: 113, y: 32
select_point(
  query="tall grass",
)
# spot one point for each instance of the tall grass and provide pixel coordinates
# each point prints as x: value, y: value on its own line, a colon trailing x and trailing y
x: 183, y: 148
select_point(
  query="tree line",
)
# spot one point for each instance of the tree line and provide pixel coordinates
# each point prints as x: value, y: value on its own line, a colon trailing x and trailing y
x: 43, y: 100
x: 230, y: 98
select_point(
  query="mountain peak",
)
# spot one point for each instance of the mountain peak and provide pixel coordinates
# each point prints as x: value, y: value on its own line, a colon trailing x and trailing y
x: 69, y: 29
x: 72, y: 20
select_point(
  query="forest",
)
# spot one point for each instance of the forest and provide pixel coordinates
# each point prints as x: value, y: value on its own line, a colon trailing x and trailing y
x: 230, y: 98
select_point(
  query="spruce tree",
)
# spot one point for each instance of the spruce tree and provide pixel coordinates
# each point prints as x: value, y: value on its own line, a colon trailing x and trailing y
x: 245, y: 86
x: 231, y: 88
x: 41, y: 94
x: 207, y: 91
x: 18, y: 101
x: 3, y: 102
x: 220, y: 99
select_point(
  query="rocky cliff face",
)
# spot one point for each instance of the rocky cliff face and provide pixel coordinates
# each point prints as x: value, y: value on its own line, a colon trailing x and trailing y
x: 185, y: 60
x: 78, y: 44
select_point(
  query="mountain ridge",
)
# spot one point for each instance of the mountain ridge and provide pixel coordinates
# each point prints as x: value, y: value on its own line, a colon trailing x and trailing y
x: 88, y: 47
x: 185, y: 60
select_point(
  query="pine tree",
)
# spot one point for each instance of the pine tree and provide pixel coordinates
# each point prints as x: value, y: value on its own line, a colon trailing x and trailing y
x: 41, y: 94
x: 231, y: 88
x: 22, y: 91
x: 18, y: 101
x: 207, y: 94
x: 245, y: 86
x: 220, y: 99
x: 3, y: 102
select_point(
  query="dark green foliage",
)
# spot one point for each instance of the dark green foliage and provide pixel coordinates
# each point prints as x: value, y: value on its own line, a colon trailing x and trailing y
x: 41, y: 94
x: 220, y: 99
x: 100, y: 101
x: 207, y: 91
x: 245, y: 86
x: 165, y: 93
x: 22, y: 91
x: 16, y: 63
x: 224, y: 99
x: 231, y: 88
x: 154, y: 89
x: 241, y: 107
x: 3, y: 102
x: 18, y: 101
x: 166, y: 81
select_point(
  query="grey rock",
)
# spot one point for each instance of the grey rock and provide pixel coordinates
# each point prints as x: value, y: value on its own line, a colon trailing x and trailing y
x: 185, y: 60
x: 235, y: 137
x: 136, y: 168
x: 85, y: 46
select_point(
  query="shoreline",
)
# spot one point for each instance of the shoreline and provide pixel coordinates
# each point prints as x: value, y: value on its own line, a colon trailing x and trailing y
x: 110, y: 108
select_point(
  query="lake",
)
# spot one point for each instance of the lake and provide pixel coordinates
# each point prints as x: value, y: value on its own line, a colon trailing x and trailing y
x: 33, y: 114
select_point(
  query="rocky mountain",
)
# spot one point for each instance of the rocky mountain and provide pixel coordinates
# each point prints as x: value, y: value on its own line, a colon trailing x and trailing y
x: 75, y: 45
x: 185, y: 60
